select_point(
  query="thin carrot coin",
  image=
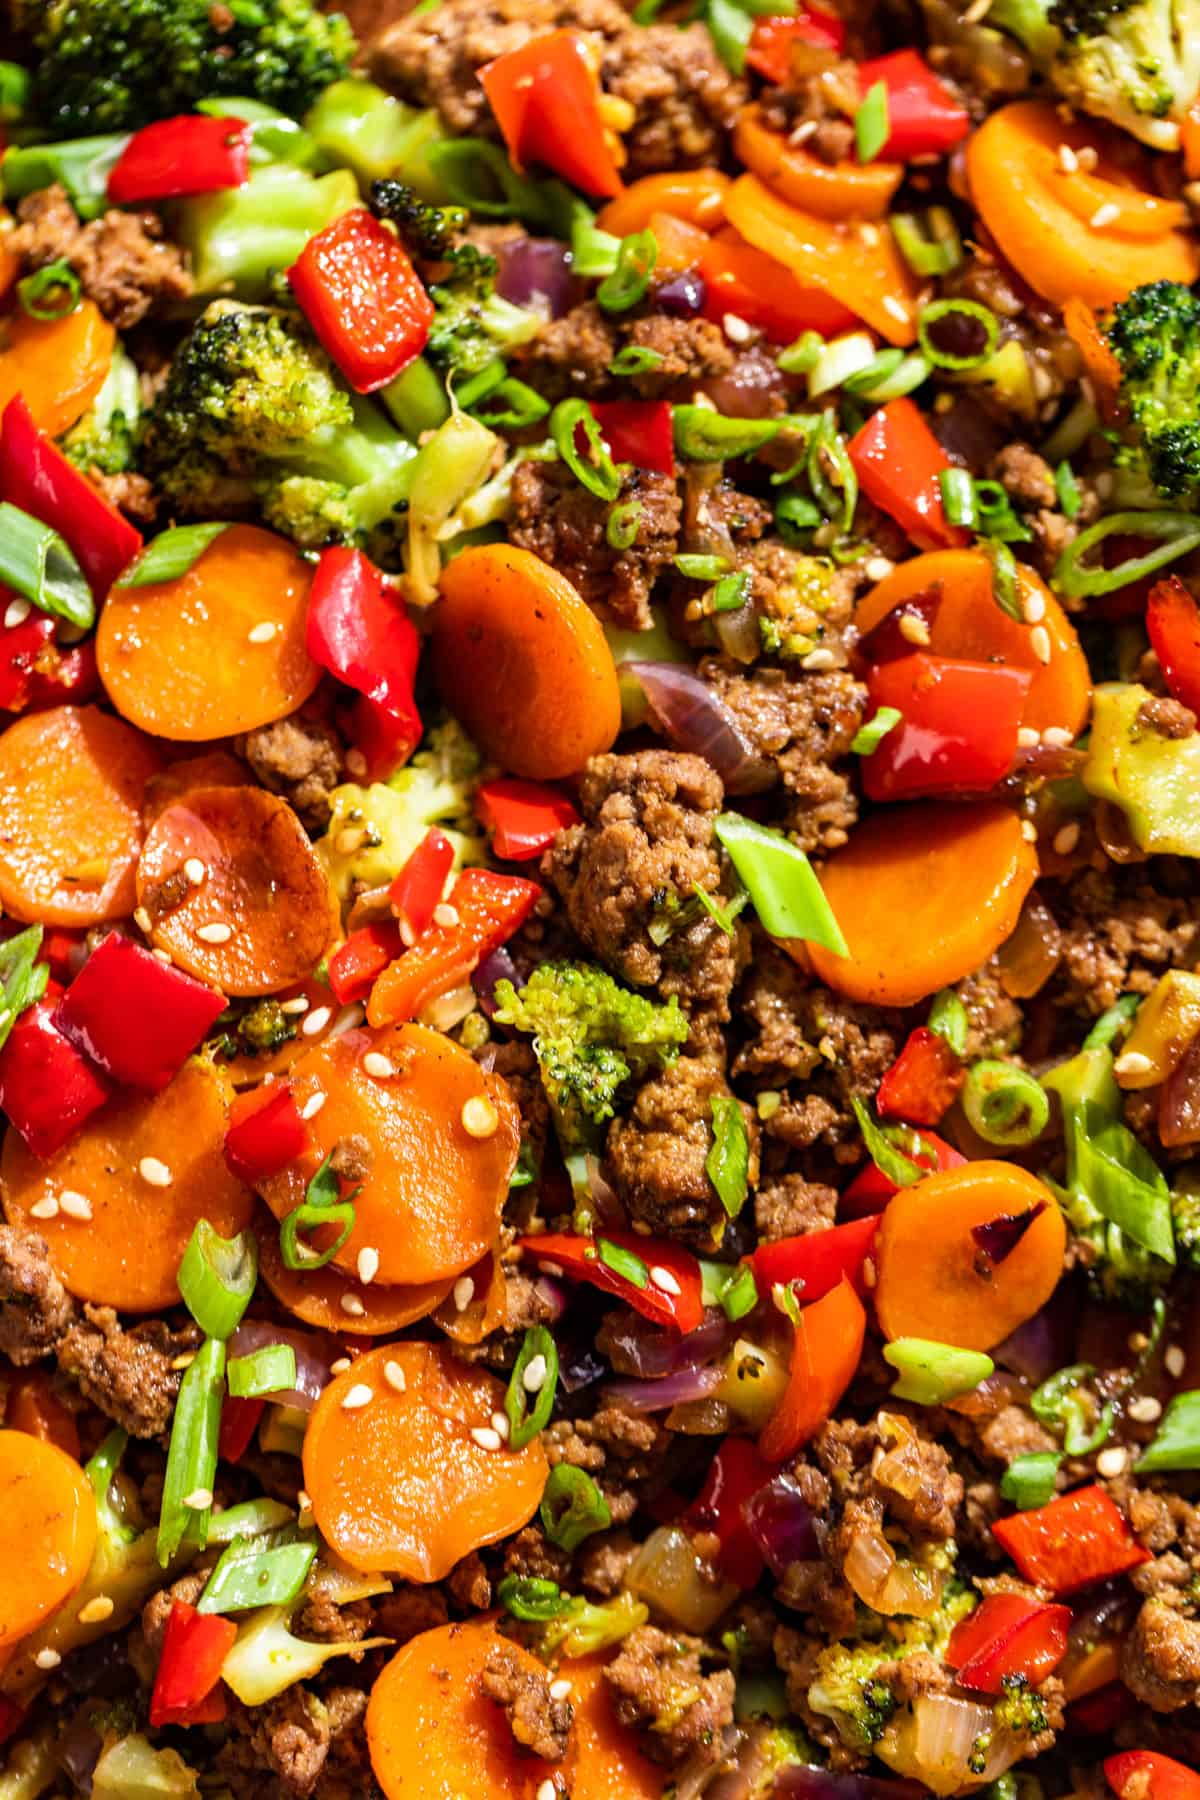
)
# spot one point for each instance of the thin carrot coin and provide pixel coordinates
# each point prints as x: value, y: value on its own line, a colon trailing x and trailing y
x: 333, y: 1302
x: 310, y: 1025
x: 470, y: 1317
x: 212, y: 768
x: 611, y: 1765
x: 924, y: 894
x: 58, y: 366
x: 49, y: 1514
x: 217, y: 651
x: 843, y: 190
x: 71, y: 787
x: 697, y: 195
x: 406, y: 1472
x: 234, y: 890
x: 430, y: 1202
x: 34, y: 1407
x: 146, y: 1169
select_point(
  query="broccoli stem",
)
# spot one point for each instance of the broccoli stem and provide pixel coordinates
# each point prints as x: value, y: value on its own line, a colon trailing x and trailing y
x: 241, y: 237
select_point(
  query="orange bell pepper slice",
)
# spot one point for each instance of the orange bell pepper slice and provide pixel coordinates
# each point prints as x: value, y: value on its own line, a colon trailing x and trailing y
x: 826, y: 1351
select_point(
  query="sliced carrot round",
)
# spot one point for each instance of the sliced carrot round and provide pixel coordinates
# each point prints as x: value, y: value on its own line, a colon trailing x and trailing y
x: 58, y: 366
x: 234, y: 890
x: 399, y: 1482
x: 924, y: 894
x: 71, y: 787
x: 216, y: 651
x: 970, y: 625
x: 523, y: 662
x: 844, y: 190
x: 610, y: 1764
x: 312, y: 1025
x: 430, y: 1202
x: 148, y: 1167
x: 212, y: 768
x: 697, y: 195
x: 933, y: 1279
x: 49, y: 1534
x: 334, y: 1302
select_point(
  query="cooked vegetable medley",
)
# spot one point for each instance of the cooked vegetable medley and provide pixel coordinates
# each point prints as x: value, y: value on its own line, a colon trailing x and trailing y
x: 599, y: 937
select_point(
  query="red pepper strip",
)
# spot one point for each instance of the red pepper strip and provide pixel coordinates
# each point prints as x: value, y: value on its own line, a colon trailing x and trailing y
x: 1173, y: 625
x: 736, y: 1472
x: 769, y: 52
x: 20, y: 648
x: 265, y: 1133
x: 363, y: 298
x: 923, y: 1082
x: 138, y: 1018
x: 958, y: 730
x: 12, y: 1717
x: 189, y: 154
x: 871, y: 1189
x: 1076, y: 1540
x: 924, y: 117
x: 364, y: 955
x: 581, y: 1259
x: 1099, y: 1713
x: 816, y: 1261
x: 1147, y: 1775
x: 1006, y: 1635
x: 898, y: 461
x: 490, y: 908
x: 752, y: 286
x: 419, y: 886
x: 36, y: 476
x: 825, y: 1353
x: 47, y: 1088
x: 524, y: 817
x: 239, y: 1422
x: 546, y: 99
x: 357, y: 628
x: 65, y: 675
x: 638, y: 432
x: 195, y: 1646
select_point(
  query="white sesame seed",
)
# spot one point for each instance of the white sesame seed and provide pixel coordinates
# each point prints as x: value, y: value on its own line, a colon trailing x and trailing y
x: 820, y: 658
x: 485, y: 1437
x: 878, y: 568
x: 199, y: 1499
x: 316, y: 1021
x: 1145, y: 1409
x: 45, y: 1209
x: 1028, y: 738
x: 500, y: 1426
x: 356, y: 763
x: 47, y: 1658
x: 195, y: 870
x: 367, y: 1264
x: 393, y: 1374
x: 99, y: 1608
x: 464, y: 1293
x: 895, y: 308
x: 1057, y: 737
x: 1132, y: 1062
x: 1029, y: 831
x: 262, y: 634
x: 294, y: 1007
x: 553, y: 1268
x: 183, y: 1361
x: 216, y: 933
x: 143, y: 921
x: 76, y: 1206
x: 1033, y: 608
x: 868, y: 235
x: 736, y: 329
x: 978, y: 9
x: 359, y: 1395
x: 1039, y: 643
x: 663, y: 1278
x: 340, y: 1366
x: 804, y: 131
x: 1068, y: 162
x: 547, y: 1791
x: 560, y: 1689
x: 445, y: 915
x: 155, y: 1172
x: 408, y: 936
x: 1105, y: 215
x: 352, y: 1306
x: 1174, y: 1361
x: 379, y: 1066
x: 1112, y: 1461
x: 914, y: 630
x: 1066, y: 838
x: 313, y: 1105
x: 479, y: 1117
x: 16, y: 613
x: 534, y: 1378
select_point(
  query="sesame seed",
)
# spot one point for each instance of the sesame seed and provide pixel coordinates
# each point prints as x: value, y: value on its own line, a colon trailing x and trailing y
x: 359, y: 1395
x: 534, y: 1378
x: 1058, y: 737
x: 1174, y: 1361
x: 294, y: 1007
x: 367, y: 1264
x: 1112, y: 1461
x: 393, y: 1374
x: 977, y: 10
x: 408, y: 936
x: 1039, y: 643
x: 376, y: 1064
x: 96, y: 1611
x: 485, y: 1437
x: 356, y: 762
x: 143, y: 921
x: 479, y: 1117
x: 199, y: 1499
x: 1145, y: 1409
x: 47, y: 1659
x: 316, y: 1021
x: 76, y: 1206
x: 262, y: 634
x: 155, y: 1172
x: 736, y: 329
x: 560, y: 1689
x: 1104, y: 215
x: 445, y: 915
x: 1029, y: 831
x: 553, y: 1268
x: 464, y: 1293
x: 352, y: 1306
x: 1068, y: 162
x: 895, y: 308
x: 914, y: 630
x: 878, y: 568
x: 1132, y: 1062
x: 160, y: 956
x: 340, y: 1366
x: 313, y: 1105
x: 1066, y: 838
x: 195, y: 870
x: 1028, y: 738
x: 547, y: 1791
x: 820, y: 658
x: 44, y: 1209
x: 16, y: 613
x: 1033, y: 608
x: 804, y: 131
x: 500, y: 1426
x: 663, y: 1278
x: 216, y: 933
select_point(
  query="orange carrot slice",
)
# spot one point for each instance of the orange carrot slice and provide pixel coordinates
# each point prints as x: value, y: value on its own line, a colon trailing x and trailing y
x: 35, y: 1408
x: 49, y: 1532
x: 333, y: 1302
x: 611, y: 1765
x: 57, y: 365
x: 845, y: 190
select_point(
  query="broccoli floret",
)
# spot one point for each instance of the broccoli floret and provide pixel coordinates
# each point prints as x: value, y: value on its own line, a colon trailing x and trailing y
x: 1155, y: 336
x: 253, y: 416
x: 1185, y: 1216
x: 1020, y: 1709
x: 104, y: 439
x: 113, y: 65
x: 847, y: 1687
x: 427, y: 230
x: 473, y: 325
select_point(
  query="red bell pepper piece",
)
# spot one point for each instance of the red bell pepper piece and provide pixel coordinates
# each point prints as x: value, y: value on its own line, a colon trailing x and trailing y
x: 638, y: 432
x: 195, y: 1646
x: 923, y: 1082
x: 364, y: 955
x: 816, y: 1261
x: 265, y: 1133
x: 189, y: 154
x: 582, y: 1259
x: 419, y: 886
x: 1148, y: 1775
x: 36, y: 476
x: 1173, y: 625
x: 62, y: 951
x: 64, y: 675
x: 898, y: 461
x: 958, y: 730
x: 871, y: 1189
x: 1099, y: 1713
x: 736, y: 1473
x: 825, y: 1354
x: 752, y: 286
x: 1007, y: 1635
x: 1076, y: 1540
x: 357, y: 628
x: 490, y: 908
x: 364, y: 300
x: 21, y: 646
x: 239, y: 1422
x: 769, y: 52
x: 47, y: 1088
x: 924, y: 117
x: 546, y: 99
x: 12, y: 1717
x: 524, y: 817
x: 137, y: 1018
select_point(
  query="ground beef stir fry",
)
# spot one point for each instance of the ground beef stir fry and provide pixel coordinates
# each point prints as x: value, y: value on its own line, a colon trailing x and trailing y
x: 599, y: 939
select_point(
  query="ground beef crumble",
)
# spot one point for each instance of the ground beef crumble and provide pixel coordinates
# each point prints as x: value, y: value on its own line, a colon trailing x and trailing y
x: 657, y: 1684
x: 36, y: 1310
x: 538, y: 1722
x: 564, y: 524
x: 658, y: 1149
x: 130, y: 1375
x: 299, y: 757
x: 120, y: 259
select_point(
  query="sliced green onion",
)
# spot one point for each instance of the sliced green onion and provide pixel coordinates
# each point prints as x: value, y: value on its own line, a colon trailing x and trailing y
x: 997, y: 516
x: 840, y: 360
x: 881, y: 365
x: 623, y: 1262
x: 724, y: 916
x: 511, y: 406
x: 321, y: 1206
x: 475, y: 173
x: 572, y: 1507
x: 171, y: 554
x: 827, y: 441
x: 730, y: 26
x: 1029, y: 1481
x: 795, y: 515
x: 623, y: 521
x: 593, y: 252
x: 81, y: 165
x: 948, y: 1018
x: 38, y: 565
x: 727, y: 1164
x: 968, y: 309
x: 534, y: 1600
x: 872, y: 122
x: 1179, y: 534
x: 1110, y: 1025
x: 526, y: 1420
x: 23, y: 978
x: 635, y: 359
x: 1004, y: 578
x: 1120, y: 1178
x: 704, y: 435
x: 1176, y: 1443
x: 51, y: 292
x: 731, y: 591
x: 484, y: 382
x: 1005, y: 1104
x: 930, y: 1372
x: 702, y: 568
x: 630, y: 279
x: 271, y: 1370
x: 889, y: 1160
x: 249, y: 1519
x: 958, y: 498
x: 908, y: 374
x: 192, y: 1453
x: 1065, y: 1402
x: 929, y: 243
x: 247, y: 1575
x: 1067, y: 489
x: 799, y: 357
x: 217, y: 1278
x: 739, y: 1295
x: 14, y: 91
x: 872, y: 732
x: 595, y: 470
x: 785, y: 892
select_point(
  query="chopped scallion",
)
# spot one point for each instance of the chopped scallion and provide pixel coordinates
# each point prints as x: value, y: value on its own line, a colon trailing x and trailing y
x: 623, y: 1262
x: 872, y: 731
x: 948, y: 1018
x: 872, y: 123
x: 37, y: 564
x: 594, y: 467
x: 249, y: 1575
x: 1005, y: 1104
x: 528, y: 1410
x: 728, y: 1162
x: 1030, y: 1480
x: 1177, y: 534
x: 572, y: 1507
x: 192, y: 1453
x: 171, y: 554
x: 217, y: 1278
x: 785, y: 892
x: 23, y: 978
x: 930, y: 1373
x: 630, y: 280
x: 1176, y: 1443
x: 271, y: 1370
x: 51, y: 292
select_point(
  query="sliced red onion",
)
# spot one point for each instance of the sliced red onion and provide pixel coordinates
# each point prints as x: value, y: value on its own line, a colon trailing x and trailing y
x: 802, y: 1781
x: 695, y: 719
x: 499, y: 966
x: 682, y: 296
x: 751, y: 389
x: 782, y: 1524
x: 640, y: 1349
x: 998, y: 1238
x: 535, y: 272
x: 78, y: 1753
x: 1044, y: 1342
x: 553, y: 1296
x: 660, y: 1396
x: 312, y: 1365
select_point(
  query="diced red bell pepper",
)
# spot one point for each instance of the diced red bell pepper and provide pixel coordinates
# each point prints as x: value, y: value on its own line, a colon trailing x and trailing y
x: 752, y: 286
x: 12, y: 1717
x: 64, y: 675
x: 1173, y: 626
x: 638, y: 432
x: 524, y: 817
x: 736, y: 1472
x: 1007, y: 1635
x: 189, y: 154
x: 47, y: 1088
x: 871, y: 1189
x: 898, y: 462
x: 769, y: 52
x: 923, y: 1082
x: 239, y: 1422
x: 358, y: 629
x: 816, y: 1261
x: 958, y: 730
x: 137, y: 1018
x: 365, y: 954
x: 1148, y: 1775
x: 36, y: 476
x: 419, y: 886
x: 1078, y: 1539
x: 580, y: 1258
x: 490, y: 908
x: 364, y: 300
x: 1099, y: 1713
x: 826, y: 1349
x: 21, y: 646
x: 62, y: 951
x: 924, y: 117
x: 195, y: 1646
x: 265, y: 1133
x: 546, y: 99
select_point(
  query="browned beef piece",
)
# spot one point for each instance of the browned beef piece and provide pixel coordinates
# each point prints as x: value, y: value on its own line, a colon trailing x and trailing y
x: 560, y: 521
x: 300, y: 758
x: 35, y: 1308
x: 157, y: 1609
x: 892, y: 1463
x: 539, y: 1723
x: 130, y: 493
x: 1169, y: 718
x: 468, y: 1583
x: 657, y: 1684
x: 820, y: 104
x: 1027, y: 476
x: 571, y: 355
x: 120, y: 259
x: 657, y: 1152
x: 530, y: 1553
x: 127, y: 1374
x: 691, y: 351
x: 993, y: 1018
x: 409, y: 1611
x: 1120, y: 932
x: 1160, y: 1663
x: 684, y: 97
x: 791, y: 1206
x: 295, y: 1735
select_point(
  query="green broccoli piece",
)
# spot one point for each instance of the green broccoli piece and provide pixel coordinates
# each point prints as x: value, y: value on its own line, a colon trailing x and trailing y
x: 1155, y: 336
x: 1185, y: 1216
x: 473, y: 325
x: 240, y: 239
x: 104, y: 439
x: 428, y: 231
x: 263, y: 1027
x: 252, y: 416
x: 847, y: 1687
x: 114, y: 65
x: 1020, y: 1708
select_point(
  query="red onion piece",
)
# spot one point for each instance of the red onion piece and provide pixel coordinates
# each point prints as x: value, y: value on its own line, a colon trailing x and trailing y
x: 640, y: 1349
x: 499, y: 966
x: 751, y: 389
x: 1044, y: 1342
x: 660, y: 1396
x: 1179, y: 1103
x: 682, y: 296
x: 802, y: 1781
x: 312, y: 1365
x: 782, y: 1524
x: 695, y: 719
x: 552, y: 1295
x: 998, y: 1238
x: 535, y: 272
